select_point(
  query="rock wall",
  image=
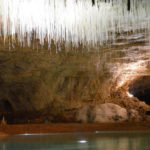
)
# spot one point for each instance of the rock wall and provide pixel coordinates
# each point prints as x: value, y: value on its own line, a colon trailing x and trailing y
x: 40, y: 83
x: 42, y: 86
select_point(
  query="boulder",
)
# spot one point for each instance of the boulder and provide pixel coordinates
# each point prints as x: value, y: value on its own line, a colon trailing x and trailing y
x: 103, y: 113
x: 109, y: 112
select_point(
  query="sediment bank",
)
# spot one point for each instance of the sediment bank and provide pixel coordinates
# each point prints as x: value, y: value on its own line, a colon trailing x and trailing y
x: 62, y: 128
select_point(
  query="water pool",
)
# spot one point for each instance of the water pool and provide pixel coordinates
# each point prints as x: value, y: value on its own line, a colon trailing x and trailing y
x: 79, y: 141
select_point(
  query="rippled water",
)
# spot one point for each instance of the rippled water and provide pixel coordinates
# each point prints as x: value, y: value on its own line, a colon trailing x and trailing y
x: 79, y: 141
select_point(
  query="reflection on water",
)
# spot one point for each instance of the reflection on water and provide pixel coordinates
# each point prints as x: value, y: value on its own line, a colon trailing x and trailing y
x: 79, y: 141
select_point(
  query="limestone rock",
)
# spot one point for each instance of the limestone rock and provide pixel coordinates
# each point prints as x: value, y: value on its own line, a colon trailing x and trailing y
x: 110, y: 113
x: 134, y: 115
x: 103, y: 113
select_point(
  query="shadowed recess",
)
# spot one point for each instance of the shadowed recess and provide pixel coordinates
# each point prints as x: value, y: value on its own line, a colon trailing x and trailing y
x: 5, y: 106
x: 141, y: 89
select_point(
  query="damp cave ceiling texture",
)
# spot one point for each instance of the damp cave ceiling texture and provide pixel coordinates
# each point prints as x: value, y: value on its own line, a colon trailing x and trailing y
x: 90, y: 22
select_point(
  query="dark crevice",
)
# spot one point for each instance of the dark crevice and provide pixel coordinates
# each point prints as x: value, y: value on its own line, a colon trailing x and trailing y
x: 141, y: 89
x: 128, y: 5
x: 6, y: 110
x: 93, y: 2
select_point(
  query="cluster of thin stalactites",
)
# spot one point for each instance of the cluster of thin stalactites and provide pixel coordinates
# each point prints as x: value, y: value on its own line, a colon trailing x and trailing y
x: 75, y: 23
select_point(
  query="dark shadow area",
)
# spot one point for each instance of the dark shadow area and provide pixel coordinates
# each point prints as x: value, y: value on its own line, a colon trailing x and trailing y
x: 6, y: 110
x: 148, y: 113
x: 5, y: 106
x: 141, y: 89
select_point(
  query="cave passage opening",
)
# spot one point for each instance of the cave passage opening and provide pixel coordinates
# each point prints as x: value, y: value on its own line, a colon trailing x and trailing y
x: 6, y: 110
x: 140, y: 89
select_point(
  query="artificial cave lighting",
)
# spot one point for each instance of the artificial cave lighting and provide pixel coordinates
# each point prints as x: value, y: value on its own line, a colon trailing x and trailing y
x: 72, y: 21
x: 82, y: 141
x: 129, y: 95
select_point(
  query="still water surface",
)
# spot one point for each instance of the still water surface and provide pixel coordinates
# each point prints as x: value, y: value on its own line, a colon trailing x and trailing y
x: 79, y: 141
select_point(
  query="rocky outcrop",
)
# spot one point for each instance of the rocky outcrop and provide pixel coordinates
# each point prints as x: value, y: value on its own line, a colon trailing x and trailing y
x: 108, y: 112
x: 35, y: 84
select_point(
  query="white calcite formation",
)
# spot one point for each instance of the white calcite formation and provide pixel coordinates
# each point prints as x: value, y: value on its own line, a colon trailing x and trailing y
x: 72, y: 21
